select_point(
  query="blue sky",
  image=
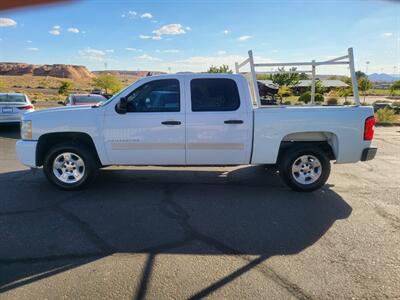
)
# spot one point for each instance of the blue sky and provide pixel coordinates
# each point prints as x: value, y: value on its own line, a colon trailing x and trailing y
x: 192, y: 35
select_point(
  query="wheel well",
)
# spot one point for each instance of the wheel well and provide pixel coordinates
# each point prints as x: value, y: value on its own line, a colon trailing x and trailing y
x: 323, y: 145
x: 48, y: 140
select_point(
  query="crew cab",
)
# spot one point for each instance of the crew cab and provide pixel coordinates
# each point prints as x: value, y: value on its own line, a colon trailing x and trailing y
x: 194, y: 119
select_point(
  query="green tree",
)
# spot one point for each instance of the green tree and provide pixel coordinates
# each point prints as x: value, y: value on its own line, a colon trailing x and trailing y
x: 395, y: 87
x: 303, y: 76
x: 220, y: 69
x: 108, y: 83
x: 263, y: 77
x: 283, y: 92
x: 345, y: 92
x: 360, y: 74
x: 319, y: 88
x: 65, y: 88
x: 364, y: 85
x: 290, y: 78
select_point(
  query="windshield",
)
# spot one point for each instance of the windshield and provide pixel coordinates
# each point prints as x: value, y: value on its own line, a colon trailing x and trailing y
x: 89, y: 98
x: 12, y: 98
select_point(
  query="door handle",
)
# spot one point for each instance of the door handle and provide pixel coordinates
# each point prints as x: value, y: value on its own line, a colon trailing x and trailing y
x: 171, y: 122
x: 233, y: 122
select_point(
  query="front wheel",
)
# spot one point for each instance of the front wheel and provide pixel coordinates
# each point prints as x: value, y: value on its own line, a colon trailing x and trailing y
x: 305, y: 169
x: 69, y: 166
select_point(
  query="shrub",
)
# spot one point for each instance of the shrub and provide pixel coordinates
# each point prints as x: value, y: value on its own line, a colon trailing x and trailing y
x: 348, y: 102
x: 306, y: 97
x: 385, y: 115
x: 287, y: 102
x: 381, y: 101
x: 396, y: 103
x: 65, y: 88
x: 332, y: 101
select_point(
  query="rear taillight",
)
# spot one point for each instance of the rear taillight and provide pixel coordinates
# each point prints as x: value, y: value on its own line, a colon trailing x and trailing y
x: 26, y: 107
x: 369, y: 128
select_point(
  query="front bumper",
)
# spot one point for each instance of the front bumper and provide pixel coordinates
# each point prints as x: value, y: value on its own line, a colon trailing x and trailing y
x: 368, y: 154
x: 26, y: 152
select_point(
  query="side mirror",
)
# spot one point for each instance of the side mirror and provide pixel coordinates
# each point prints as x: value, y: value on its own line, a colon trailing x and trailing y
x: 61, y: 102
x: 122, y: 106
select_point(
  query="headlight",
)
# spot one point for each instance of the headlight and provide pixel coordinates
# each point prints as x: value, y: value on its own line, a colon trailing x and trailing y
x: 26, y: 130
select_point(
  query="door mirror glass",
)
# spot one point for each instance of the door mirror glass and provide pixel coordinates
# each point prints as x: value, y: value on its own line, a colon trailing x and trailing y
x: 122, y: 105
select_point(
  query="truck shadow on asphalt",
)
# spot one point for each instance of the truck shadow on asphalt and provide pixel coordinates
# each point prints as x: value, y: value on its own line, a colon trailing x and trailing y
x: 244, y: 211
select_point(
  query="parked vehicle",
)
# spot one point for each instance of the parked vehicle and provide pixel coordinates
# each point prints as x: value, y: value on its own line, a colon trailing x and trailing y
x: 382, y: 105
x: 13, y: 106
x: 195, y: 119
x: 83, y: 99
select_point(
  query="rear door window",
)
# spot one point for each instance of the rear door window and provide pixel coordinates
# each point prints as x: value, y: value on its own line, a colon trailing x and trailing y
x: 214, y: 94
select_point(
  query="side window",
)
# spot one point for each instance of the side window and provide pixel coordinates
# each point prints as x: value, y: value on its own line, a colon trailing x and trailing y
x: 155, y: 96
x: 214, y: 94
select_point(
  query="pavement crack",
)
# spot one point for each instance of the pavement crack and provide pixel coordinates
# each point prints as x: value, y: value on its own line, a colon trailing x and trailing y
x: 85, y: 227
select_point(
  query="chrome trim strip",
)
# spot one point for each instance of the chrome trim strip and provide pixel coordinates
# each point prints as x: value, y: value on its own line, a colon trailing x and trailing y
x: 216, y: 146
x: 148, y: 146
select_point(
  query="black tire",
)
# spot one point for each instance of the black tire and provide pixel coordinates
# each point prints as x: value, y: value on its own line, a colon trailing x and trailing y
x: 291, y: 155
x: 90, y: 165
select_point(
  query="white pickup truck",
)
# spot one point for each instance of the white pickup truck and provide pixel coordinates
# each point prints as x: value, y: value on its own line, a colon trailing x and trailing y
x: 194, y: 119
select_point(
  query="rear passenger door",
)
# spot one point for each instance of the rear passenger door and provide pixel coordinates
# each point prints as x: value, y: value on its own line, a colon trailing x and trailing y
x: 218, y: 125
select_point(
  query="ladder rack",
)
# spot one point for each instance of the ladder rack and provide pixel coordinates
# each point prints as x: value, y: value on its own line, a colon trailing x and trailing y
x: 342, y: 60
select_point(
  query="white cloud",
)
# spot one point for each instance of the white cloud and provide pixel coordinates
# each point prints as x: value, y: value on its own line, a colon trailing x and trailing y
x: 32, y: 49
x: 133, y: 49
x: 7, y: 22
x: 188, y: 28
x: 73, y: 30
x: 146, y: 16
x: 29, y: 41
x: 221, y: 52
x: 93, y: 54
x: 387, y: 34
x: 149, y: 37
x: 202, y: 63
x: 170, y: 29
x: 146, y: 58
x: 56, y: 30
x: 130, y: 14
x: 244, y: 38
x: 171, y: 51
x: 226, y: 31
x: 109, y: 50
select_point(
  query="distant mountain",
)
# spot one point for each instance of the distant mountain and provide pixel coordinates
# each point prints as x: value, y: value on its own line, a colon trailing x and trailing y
x: 383, y: 77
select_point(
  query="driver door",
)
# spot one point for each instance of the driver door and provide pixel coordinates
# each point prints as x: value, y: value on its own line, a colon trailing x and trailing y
x: 152, y: 131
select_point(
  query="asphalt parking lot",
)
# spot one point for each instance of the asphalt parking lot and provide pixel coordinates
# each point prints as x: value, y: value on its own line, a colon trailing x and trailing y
x: 170, y: 233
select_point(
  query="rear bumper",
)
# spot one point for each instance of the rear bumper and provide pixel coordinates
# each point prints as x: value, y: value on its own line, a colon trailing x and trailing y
x: 368, y: 154
x: 26, y: 152
x: 10, y: 118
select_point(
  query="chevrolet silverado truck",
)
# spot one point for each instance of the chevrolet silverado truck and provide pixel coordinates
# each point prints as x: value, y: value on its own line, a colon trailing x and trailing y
x: 194, y: 119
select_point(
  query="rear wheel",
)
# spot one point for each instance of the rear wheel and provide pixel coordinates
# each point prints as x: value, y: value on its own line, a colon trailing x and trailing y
x: 305, y: 169
x: 69, y: 166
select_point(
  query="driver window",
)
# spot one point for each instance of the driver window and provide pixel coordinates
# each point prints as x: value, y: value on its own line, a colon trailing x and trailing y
x: 155, y: 96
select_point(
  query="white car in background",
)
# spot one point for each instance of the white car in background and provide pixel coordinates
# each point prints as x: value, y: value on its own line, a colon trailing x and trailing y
x: 13, y: 106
